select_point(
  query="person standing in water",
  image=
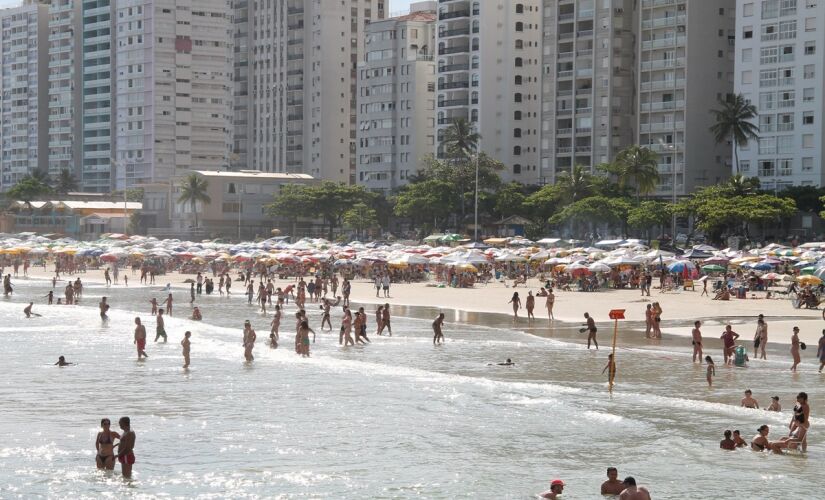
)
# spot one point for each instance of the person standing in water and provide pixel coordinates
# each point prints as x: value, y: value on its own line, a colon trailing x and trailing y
x: 548, y: 303
x: 530, y: 304
x: 169, y: 305
x: 438, y: 335
x: 104, y: 308
x: 248, y: 341
x: 711, y: 372
x: 160, y: 330
x: 140, y: 339
x: 303, y: 333
x: 728, y: 344
x: 126, y: 447
x: 516, y: 301
x: 590, y: 327
x: 761, y: 339
x: 697, y: 341
x: 105, y: 447
x: 154, y: 303
x: 632, y: 492
x: 185, y: 351
x: 346, y: 326
x: 385, y: 319
x: 611, y: 365
x: 191, y: 293
x: 276, y: 323
x: 612, y: 486
x: 795, y: 348
x: 820, y: 352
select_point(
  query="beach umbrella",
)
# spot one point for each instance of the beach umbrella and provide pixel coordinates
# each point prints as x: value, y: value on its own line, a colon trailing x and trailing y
x: 716, y: 259
x: 774, y: 276
x: 467, y: 267
x: 809, y: 280
x: 510, y: 257
x: 762, y: 266
x: 810, y: 270
x: 712, y: 268
x: 680, y: 266
x: 107, y: 257
x: 598, y: 267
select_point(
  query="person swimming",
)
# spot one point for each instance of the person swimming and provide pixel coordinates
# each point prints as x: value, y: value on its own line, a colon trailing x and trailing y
x: 61, y: 361
x: 509, y: 362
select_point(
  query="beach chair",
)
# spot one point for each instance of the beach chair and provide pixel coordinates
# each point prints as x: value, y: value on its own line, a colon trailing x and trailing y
x: 689, y: 284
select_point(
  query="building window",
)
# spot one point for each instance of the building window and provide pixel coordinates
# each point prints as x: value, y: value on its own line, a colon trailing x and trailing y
x: 807, y: 164
x: 519, y: 8
x: 810, y: 48
x: 516, y: 150
x: 519, y: 62
x: 516, y: 115
x: 808, y: 118
x: 519, y: 26
x: 745, y: 166
x: 517, y: 132
x: 517, y: 97
x: 516, y: 168
x: 518, y: 79
x: 807, y: 141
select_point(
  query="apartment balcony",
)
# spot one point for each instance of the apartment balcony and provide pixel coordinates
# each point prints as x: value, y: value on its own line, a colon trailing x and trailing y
x: 663, y: 84
x: 448, y: 120
x: 291, y: 11
x: 443, y: 51
x: 564, y: 131
x: 449, y: 68
x: 678, y: 62
x: 451, y: 103
x: 567, y: 35
x: 665, y: 148
x: 454, y: 85
x: 565, y: 74
x: 669, y: 168
x: 661, y: 106
x: 453, y: 15
x: 584, y: 33
x: 583, y: 130
x: 566, y: 55
x: 647, y: 4
x: 586, y: 14
x: 660, y: 127
x: 664, y: 22
x: 567, y: 17
x: 454, y: 32
x: 564, y: 111
x: 564, y: 150
x: 662, y: 43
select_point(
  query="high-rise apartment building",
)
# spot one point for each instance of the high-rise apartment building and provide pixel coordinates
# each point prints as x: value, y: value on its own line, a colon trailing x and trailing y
x: 780, y: 62
x: 97, y: 89
x: 396, y: 98
x: 65, y: 86
x: 24, y: 45
x: 489, y: 72
x: 241, y: 109
x: 301, y: 75
x: 588, y: 83
x: 174, y: 88
x: 686, y: 52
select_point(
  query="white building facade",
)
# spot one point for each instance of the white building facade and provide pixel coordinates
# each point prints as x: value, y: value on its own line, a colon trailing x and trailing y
x: 396, y: 99
x: 174, y: 95
x: 24, y: 120
x: 489, y: 72
x: 780, y: 60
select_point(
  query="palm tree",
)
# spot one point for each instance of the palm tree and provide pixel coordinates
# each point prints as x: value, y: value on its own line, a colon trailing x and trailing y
x: 192, y: 191
x: 460, y: 139
x: 577, y: 184
x: 733, y: 123
x: 743, y: 186
x: 65, y: 182
x: 639, y: 164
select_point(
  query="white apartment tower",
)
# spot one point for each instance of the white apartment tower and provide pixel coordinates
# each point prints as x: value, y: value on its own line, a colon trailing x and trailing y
x: 686, y: 51
x: 23, y: 92
x: 780, y: 63
x: 489, y: 71
x: 396, y: 98
x: 588, y: 83
x: 301, y: 75
x: 98, y: 125
x: 174, y: 94
x: 65, y: 86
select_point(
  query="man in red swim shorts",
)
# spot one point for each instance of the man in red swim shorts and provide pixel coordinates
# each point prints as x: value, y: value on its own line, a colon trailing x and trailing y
x: 126, y: 447
x: 140, y: 339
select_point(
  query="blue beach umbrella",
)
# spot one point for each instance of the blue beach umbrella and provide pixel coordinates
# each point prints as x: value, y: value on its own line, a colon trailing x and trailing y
x: 762, y: 266
x: 680, y: 265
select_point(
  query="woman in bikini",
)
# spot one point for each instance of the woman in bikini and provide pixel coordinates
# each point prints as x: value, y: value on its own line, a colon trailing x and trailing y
x: 516, y: 301
x: 551, y: 299
x: 801, y: 417
x: 104, y: 444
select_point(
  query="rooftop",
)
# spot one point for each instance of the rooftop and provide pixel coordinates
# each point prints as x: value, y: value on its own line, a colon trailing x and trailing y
x: 240, y: 174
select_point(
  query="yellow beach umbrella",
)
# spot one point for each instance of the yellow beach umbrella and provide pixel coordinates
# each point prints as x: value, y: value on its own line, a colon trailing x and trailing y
x: 809, y: 280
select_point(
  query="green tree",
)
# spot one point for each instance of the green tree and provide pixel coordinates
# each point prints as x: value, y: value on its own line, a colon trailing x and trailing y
x: 65, y: 182
x: 28, y: 189
x: 331, y: 200
x: 638, y: 165
x: 509, y: 200
x: 733, y: 122
x: 360, y: 217
x: 462, y: 174
x: 194, y: 191
x: 577, y: 184
x: 588, y: 213
x: 425, y: 201
x: 293, y: 202
x: 740, y: 185
x: 649, y: 214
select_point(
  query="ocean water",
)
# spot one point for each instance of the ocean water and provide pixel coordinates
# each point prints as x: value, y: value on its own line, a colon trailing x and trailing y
x: 398, y: 418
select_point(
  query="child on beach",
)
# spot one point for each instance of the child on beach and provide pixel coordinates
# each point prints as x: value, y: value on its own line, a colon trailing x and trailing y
x: 711, y: 370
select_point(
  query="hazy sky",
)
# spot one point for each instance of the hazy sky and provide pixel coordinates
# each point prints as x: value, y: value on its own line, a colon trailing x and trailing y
x: 395, y: 5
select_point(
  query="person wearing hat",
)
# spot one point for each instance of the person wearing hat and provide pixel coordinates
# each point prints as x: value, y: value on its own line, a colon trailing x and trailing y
x: 556, y: 488
x: 632, y: 492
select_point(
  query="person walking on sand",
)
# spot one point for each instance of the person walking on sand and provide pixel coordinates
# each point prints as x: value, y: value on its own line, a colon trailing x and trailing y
x: 126, y: 447
x: 711, y: 372
x: 548, y: 303
x: 248, y: 341
x: 820, y: 352
x: 140, y: 339
x: 590, y: 327
x: 728, y: 344
x: 516, y: 301
x: 185, y: 345
x: 530, y: 304
x: 697, y: 341
x: 385, y: 284
x: 438, y: 334
x: 795, y: 348
x: 160, y: 329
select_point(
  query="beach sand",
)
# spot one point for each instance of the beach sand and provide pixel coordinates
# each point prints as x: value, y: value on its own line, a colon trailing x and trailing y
x: 680, y: 308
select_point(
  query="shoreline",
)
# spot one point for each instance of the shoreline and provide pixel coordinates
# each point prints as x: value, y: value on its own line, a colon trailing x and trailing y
x: 424, y: 301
